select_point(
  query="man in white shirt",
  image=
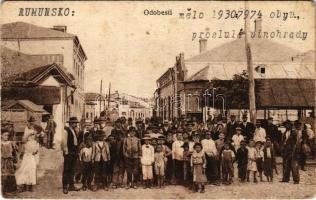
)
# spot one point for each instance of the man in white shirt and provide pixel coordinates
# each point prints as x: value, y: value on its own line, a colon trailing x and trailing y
x: 210, y: 150
x: 260, y: 133
x: 237, y: 138
x: 177, y: 157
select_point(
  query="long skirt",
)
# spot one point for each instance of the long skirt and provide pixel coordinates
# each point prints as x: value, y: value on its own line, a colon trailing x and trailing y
x: 26, y: 174
x: 7, y: 175
x: 198, y: 175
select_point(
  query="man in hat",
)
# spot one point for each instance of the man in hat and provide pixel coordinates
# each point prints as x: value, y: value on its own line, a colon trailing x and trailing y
x: 290, y: 155
x: 69, y: 146
x: 242, y: 160
x: 132, y: 151
x: 260, y: 133
x: 50, y: 131
x: 231, y: 127
x: 211, y: 156
x: 247, y: 128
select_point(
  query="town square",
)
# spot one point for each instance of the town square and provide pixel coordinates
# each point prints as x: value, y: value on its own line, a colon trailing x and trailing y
x: 158, y: 100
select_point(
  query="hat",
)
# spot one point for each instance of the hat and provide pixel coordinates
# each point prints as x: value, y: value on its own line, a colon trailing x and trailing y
x: 131, y: 129
x: 185, y: 145
x: 4, y: 130
x: 166, y: 122
x: 102, y: 119
x: 238, y: 128
x: 73, y: 120
x: 147, y: 138
x: 258, y: 142
x: 197, y: 144
x: 161, y: 137
x: 100, y: 134
x: 31, y: 119
x: 244, y: 116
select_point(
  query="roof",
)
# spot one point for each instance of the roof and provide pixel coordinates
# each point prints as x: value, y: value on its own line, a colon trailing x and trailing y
x: 22, y: 30
x: 23, y: 68
x: 281, y: 94
x: 225, y: 71
x: 91, y: 96
x: 287, y: 93
x: 263, y: 50
x: 28, y: 105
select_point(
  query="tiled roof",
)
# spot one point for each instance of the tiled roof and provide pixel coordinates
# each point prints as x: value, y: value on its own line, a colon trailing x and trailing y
x: 27, y: 104
x: 19, y: 67
x: 287, y: 93
x: 22, y: 30
x: 263, y: 50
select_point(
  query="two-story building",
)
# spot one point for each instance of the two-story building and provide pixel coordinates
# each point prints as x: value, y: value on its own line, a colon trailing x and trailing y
x: 32, y: 39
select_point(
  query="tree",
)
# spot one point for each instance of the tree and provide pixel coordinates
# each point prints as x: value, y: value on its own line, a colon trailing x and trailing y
x: 235, y: 91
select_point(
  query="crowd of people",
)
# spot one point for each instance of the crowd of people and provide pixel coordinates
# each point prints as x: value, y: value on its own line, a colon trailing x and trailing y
x: 156, y: 154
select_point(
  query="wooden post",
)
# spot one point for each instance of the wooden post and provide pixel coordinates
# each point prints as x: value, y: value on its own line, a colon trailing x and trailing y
x: 251, y: 81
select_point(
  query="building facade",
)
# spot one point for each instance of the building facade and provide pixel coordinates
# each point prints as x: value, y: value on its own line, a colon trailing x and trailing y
x: 31, y: 39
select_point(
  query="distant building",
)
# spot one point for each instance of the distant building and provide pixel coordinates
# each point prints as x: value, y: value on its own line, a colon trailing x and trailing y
x: 94, y: 104
x: 288, y: 78
x: 35, y: 40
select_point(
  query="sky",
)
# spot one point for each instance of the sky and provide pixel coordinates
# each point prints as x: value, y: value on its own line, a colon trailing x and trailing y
x: 132, y: 50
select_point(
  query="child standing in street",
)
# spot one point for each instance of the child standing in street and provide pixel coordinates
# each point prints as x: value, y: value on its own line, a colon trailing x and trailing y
x: 228, y: 157
x: 198, y: 166
x: 147, y: 160
x: 259, y: 158
x: 242, y: 160
x: 85, y: 158
x: 101, y: 157
x: 251, y: 165
x: 187, y: 175
x: 8, y: 158
x: 268, y: 160
x: 160, y: 164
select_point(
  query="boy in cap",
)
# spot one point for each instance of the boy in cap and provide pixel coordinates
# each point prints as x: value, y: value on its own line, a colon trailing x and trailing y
x: 147, y: 160
x: 132, y: 151
x: 86, y: 159
x: 259, y: 158
x: 268, y: 160
x: 228, y: 157
x: 242, y: 161
x: 101, y: 157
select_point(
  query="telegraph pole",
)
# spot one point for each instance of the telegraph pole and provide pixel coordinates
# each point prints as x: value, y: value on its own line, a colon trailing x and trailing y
x: 251, y: 81
x: 100, y: 98
x: 109, y: 98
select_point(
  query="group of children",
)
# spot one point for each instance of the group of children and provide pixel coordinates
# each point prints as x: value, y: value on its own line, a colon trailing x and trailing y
x: 106, y: 160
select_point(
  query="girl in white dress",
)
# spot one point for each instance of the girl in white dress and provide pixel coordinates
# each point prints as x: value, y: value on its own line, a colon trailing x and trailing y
x: 252, y: 165
x: 26, y: 174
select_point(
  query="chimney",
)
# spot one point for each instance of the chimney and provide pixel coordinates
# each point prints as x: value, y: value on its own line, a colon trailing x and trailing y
x: 60, y: 28
x: 203, y: 45
x: 258, y: 25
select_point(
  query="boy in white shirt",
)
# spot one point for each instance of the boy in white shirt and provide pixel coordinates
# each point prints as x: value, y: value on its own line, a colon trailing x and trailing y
x: 237, y: 138
x: 147, y: 160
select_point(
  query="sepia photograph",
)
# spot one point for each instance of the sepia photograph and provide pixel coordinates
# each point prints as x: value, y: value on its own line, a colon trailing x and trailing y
x: 158, y: 99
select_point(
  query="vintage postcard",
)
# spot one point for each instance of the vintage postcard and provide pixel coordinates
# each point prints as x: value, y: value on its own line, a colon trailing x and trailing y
x: 158, y: 99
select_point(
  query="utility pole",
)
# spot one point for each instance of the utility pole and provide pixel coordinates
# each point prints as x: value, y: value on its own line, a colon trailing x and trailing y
x: 251, y: 81
x: 109, y: 96
x: 100, y: 98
